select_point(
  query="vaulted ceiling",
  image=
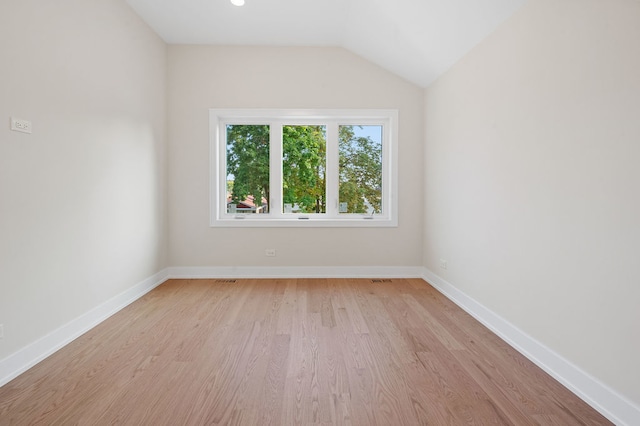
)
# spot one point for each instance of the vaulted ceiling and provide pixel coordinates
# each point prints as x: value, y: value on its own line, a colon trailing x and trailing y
x: 415, y: 39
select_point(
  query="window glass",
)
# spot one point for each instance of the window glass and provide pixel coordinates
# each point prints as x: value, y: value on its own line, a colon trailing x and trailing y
x: 304, y: 150
x: 360, y: 174
x: 247, y: 177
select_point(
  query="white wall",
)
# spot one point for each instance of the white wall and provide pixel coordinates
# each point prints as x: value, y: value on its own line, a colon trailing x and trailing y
x: 533, y: 184
x: 203, y: 77
x: 82, y: 198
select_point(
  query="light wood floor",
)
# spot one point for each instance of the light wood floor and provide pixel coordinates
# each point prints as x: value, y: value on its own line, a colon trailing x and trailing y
x: 290, y: 352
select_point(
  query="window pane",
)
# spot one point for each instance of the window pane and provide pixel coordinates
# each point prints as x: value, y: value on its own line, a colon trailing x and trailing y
x: 303, y: 169
x: 247, y: 168
x: 360, y: 162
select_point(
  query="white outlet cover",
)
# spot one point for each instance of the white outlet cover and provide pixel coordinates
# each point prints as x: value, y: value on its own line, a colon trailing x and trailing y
x: 19, y: 125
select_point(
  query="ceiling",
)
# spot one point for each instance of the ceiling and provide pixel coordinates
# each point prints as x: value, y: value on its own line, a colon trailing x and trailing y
x: 415, y: 39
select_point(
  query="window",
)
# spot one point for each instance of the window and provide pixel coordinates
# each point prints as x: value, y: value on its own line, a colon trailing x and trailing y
x: 303, y: 168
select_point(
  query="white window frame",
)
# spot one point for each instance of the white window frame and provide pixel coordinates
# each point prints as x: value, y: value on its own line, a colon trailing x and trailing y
x: 276, y: 118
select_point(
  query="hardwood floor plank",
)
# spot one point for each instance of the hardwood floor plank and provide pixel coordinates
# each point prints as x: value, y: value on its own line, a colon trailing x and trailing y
x: 287, y: 309
x: 290, y: 352
x: 356, y: 321
x: 270, y: 407
x: 433, y: 324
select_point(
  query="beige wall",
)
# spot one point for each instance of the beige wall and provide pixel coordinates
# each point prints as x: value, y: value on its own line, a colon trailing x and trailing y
x: 82, y: 198
x: 533, y: 184
x: 203, y: 77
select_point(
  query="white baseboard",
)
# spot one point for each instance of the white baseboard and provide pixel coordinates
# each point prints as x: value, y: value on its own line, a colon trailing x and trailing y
x: 607, y: 401
x: 296, y: 272
x: 25, y: 358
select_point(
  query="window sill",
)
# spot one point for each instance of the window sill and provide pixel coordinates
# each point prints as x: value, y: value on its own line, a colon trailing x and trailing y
x: 303, y: 221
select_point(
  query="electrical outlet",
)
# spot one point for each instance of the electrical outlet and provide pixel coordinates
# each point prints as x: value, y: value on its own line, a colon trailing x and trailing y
x: 1, y: 331
x: 270, y: 252
x: 18, y: 125
x: 443, y: 264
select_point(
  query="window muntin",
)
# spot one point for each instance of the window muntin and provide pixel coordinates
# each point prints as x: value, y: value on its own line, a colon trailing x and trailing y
x: 325, y: 168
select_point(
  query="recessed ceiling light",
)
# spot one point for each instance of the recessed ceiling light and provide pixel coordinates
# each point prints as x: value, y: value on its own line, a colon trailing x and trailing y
x: 237, y: 2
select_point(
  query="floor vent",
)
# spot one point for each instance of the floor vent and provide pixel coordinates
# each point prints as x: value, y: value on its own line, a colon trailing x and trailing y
x: 225, y: 281
x: 381, y: 281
